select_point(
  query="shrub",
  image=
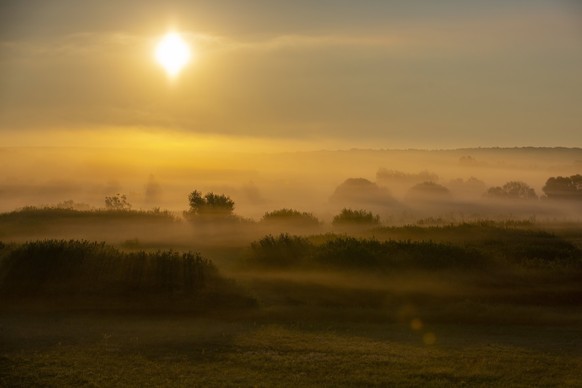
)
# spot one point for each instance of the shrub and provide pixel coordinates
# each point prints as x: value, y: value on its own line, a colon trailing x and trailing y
x: 362, y: 254
x: 117, y: 202
x: 363, y: 192
x: 356, y: 217
x: 209, y: 205
x: 428, y: 192
x: 82, y: 268
x: 292, y: 217
x: 350, y: 252
x: 569, y: 188
x: 512, y: 190
x: 281, y: 251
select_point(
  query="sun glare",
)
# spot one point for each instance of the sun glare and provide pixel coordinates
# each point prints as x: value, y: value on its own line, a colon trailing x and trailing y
x: 173, y: 53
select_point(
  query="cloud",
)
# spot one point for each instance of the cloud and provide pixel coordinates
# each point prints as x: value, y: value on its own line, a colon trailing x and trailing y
x: 493, y: 75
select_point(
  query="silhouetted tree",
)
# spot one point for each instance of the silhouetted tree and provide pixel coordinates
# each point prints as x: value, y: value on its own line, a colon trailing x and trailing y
x: 356, y: 217
x: 512, y: 190
x: 210, y: 204
x: 292, y: 217
x: 361, y: 191
x: 117, y: 202
x: 428, y: 191
x: 569, y: 188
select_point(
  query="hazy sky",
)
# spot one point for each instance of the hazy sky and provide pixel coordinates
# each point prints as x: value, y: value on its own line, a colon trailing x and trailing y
x: 367, y: 73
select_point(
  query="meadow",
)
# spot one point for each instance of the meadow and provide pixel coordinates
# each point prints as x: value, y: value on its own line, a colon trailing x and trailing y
x: 232, y: 302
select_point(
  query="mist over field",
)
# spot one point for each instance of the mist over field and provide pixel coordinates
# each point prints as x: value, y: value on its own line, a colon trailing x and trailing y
x: 290, y: 193
x: 261, y: 182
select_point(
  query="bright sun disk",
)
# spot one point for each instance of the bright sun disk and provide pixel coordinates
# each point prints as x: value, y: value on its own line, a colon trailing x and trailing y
x: 173, y: 53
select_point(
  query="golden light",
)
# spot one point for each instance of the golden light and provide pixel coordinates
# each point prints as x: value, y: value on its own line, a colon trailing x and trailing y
x: 173, y: 53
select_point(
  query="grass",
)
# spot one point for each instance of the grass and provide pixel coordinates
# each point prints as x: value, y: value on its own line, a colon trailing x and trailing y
x: 482, y: 304
x: 92, y: 274
x: 67, y: 350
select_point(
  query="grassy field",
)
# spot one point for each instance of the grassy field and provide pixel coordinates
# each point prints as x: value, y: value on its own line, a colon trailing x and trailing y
x: 102, y: 350
x: 483, y: 304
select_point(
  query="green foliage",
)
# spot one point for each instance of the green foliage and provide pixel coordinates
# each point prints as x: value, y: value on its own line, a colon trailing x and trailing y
x: 281, y: 251
x: 518, y: 242
x: 293, y: 217
x: 210, y: 204
x: 568, y: 188
x: 82, y: 268
x: 118, y: 202
x: 485, y: 245
x: 36, y: 215
x: 356, y: 217
x: 512, y: 190
x: 297, y: 349
x: 350, y: 252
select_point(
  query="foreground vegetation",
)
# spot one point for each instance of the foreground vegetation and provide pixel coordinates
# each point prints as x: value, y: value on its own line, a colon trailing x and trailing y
x: 478, y: 304
x: 88, y: 275
x: 133, y: 351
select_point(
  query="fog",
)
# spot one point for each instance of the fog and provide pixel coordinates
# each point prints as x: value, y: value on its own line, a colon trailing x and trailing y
x: 319, y: 182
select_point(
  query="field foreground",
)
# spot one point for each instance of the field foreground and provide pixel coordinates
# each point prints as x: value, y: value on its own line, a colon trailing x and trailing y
x: 119, y: 350
x: 472, y: 304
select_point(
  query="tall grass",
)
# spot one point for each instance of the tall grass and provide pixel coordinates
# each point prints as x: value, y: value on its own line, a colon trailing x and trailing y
x: 466, y: 246
x: 79, y: 269
x: 47, y: 213
x: 353, y: 253
x: 514, y: 242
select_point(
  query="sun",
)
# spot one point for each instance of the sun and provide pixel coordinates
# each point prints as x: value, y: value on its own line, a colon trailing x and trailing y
x: 173, y: 53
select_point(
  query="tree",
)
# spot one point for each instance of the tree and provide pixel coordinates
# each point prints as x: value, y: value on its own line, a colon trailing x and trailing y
x: 356, y: 217
x: 428, y: 192
x: 470, y: 187
x: 569, y: 188
x: 117, y: 202
x: 361, y: 191
x: 210, y: 204
x: 512, y: 190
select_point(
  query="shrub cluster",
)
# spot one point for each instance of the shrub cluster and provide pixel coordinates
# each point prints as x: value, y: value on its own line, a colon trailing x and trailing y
x: 517, y: 242
x: 291, y: 217
x: 349, y: 217
x: 349, y: 252
x: 48, y: 213
x: 57, y: 267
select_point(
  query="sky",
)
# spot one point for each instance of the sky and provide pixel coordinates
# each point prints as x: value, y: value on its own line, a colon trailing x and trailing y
x: 293, y: 74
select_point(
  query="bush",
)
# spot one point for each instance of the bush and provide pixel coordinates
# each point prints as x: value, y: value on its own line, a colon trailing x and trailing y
x: 117, y: 202
x: 568, y: 188
x: 280, y: 251
x: 91, y: 271
x: 356, y: 217
x: 363, y: 192
x: 209, y: 205
x: 428, y: 192
x: 353, y: 253
x: 291, y: 217
x: 512, y: 190
x: 350, y: 252
x: 34, y: 213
